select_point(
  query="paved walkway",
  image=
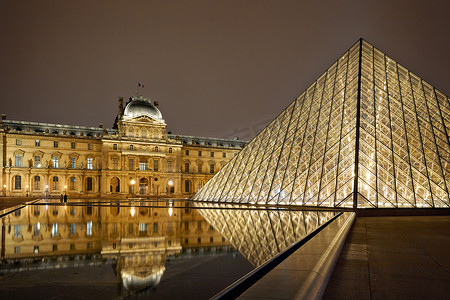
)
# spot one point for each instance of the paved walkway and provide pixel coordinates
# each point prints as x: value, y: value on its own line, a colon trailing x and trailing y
x: 394, y: 258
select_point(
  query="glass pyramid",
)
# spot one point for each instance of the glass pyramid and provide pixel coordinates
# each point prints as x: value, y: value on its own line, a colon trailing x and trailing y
x: 367, y: 133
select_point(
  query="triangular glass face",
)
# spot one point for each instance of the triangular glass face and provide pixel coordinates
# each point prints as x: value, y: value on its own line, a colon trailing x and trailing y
x: 365, y: 108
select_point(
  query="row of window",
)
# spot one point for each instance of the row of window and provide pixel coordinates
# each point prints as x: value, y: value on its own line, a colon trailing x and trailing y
x: 224, y: 155
x: 54, y: 230
x: 55, y: 162
x: 54, y: 248
x: 37, y: 143
x: 54, y: 183
x: 187, y: 168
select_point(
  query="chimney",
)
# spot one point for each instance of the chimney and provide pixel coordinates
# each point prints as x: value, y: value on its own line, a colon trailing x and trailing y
x: 156, y: 104
x: 120, y: 105
x: 3, y: 116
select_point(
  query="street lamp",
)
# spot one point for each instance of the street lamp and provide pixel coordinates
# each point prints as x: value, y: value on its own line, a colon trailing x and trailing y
x: 132, y: 182
x: 4, y: 189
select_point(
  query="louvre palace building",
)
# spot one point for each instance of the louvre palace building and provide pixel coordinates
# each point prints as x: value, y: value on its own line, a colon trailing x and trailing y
x: 135, y: 157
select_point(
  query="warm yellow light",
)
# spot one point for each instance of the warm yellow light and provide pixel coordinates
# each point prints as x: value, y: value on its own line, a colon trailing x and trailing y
x: 132, y: 211
x: 170, y: 182
x: 65, y: 187
x: 132, y: 181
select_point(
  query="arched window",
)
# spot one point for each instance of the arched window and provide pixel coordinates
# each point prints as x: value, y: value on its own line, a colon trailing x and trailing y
x: 156, y: 149
x: 55, y: 181
x: 17, y: 182
x: 186, y: 186
x: 37, y: 183
x: 89, y: 184
x: 73, y: 182
x: 114, y: 146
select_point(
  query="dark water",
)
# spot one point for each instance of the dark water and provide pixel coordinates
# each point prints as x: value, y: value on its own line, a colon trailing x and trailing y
x: 143, y: 249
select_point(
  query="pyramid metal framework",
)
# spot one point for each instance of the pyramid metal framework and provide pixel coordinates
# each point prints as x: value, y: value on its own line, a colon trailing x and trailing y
x: 366, y: 115
x: 261, y: 234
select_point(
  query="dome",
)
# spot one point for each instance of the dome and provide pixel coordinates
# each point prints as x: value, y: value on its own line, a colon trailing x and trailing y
x: 137, y: 107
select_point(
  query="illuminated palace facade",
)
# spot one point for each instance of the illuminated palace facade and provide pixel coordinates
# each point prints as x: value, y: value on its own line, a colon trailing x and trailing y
x: 137, y: 156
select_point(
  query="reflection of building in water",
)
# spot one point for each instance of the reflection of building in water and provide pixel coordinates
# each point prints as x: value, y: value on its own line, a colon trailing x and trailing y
x: 136, y: 156
x: 261, y: 234
x: 135, y: 240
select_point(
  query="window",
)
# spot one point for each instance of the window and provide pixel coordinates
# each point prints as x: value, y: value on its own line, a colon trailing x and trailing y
x: 89, y: 146
x: 37, y: 183
x: 72, y: 229
x: 55, y: 181
x: 72, y: 211
x: 131, y: 147
x: 187, y: 152
x: 89, y: 228
x: 186, y: 167
x: 54, y: 229
x: 211, y: 168
x: 16, y: 250
x: 114, y: 146
x: 199, y: 240
x: 199, y: 225
x: 37, y: 228
x: 143, y: 133
x: 115, y: 163
x: 155, y: 165
x: 18, y: 142
x: 72, y: 184
x: 156, y: 149
x: 89, y: 245
x: 36, y: 249
x: 73, y: 162
x: 17, y: 231
x: 89, y: 209
x: 55, y: 247
x: 37, y: 161
x: 37, y: 210
x: 130, y: 228
x: 170, y: 166
x: 186, y: 186
x: 142, y: 227
x: 55, y: 144
x: 186, y: 226
x: 89, y: 184
x: 224, y: 155
x: 131, y: 164
x: 142, y: 166
x: 18, y: 160
x: 55, y: 161
x: 37, y: 143
x: 72, y: 246
x: 17, y: 182
x: 89, y: 163
x: 212, y: 154
x: 155, y: 227
x: 73, y: 145
x: 170, y: 150
x: 211, y: 239
x: 199, y: 153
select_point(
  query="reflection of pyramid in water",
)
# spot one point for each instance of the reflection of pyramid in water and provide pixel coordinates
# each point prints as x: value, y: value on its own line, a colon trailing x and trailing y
x: 366, y: 108
x: 261, y: 234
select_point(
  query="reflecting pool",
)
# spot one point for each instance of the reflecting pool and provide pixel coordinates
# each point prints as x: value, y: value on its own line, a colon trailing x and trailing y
x: 152, y: 249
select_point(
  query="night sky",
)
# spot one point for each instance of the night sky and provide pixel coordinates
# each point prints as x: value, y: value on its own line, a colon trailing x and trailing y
x: 218, y: 68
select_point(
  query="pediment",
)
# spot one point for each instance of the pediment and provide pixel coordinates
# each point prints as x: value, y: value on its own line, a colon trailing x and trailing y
x: 144, y: 119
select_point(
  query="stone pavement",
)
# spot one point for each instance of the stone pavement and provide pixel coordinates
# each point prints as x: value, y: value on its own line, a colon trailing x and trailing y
x: 394, y: 258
